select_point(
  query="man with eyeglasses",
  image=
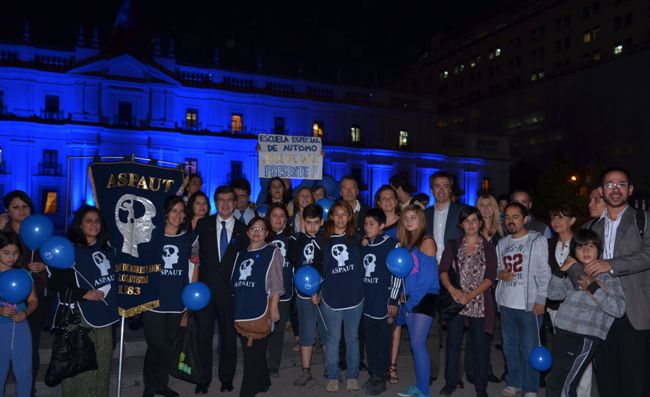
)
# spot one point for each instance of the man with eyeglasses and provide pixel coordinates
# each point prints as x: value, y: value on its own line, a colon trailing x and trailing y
x: 622, y: 363
x: 243, y: 210
x: 221, y: 237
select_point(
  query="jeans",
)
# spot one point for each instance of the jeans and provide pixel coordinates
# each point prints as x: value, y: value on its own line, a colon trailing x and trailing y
x: 520, y: 334
x: 477, y: 339
x: 20, y: 356
x: 309, y: 319
x: 350, y: 319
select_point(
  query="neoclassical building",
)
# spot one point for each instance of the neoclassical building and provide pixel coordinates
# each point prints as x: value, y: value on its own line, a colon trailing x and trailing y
x: 60, y: 108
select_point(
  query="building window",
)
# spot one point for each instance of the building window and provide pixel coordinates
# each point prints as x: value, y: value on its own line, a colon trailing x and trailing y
x: 318, y: 128
x: 236, y: 123
x: 52, y: 110
x: 403, y: 139
x: 49, y: 201
x: 595, y: 56
x: 618, y: 48
x: 485, y: 184
x: 50, y: 164
x: 191, y: 119
x: 125, y: 114
x: 191, y: 166
x: 236, y: 170
x: 355, y: 134
x: 279, y: 125
x: 444, y: 74
x: 586, y: 37
x: 497, y: 52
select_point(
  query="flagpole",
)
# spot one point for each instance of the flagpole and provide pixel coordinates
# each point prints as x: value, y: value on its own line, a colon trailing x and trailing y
x: 119, y: 367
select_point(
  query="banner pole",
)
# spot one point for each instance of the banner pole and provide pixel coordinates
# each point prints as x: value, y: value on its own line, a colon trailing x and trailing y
x: 119, y: 370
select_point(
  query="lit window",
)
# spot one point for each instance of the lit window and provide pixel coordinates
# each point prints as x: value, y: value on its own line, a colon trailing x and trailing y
x: 586, y: 37
x: 485, y: 184
x: 49, y: 202
x: 317, y: 127
x: 618, y: 49
x: 533, y: 77
x: 595, y: 56
x: 355, y: 134
x: 472, y: 63
x: 403, y: 139
x: 497, y: 52
x: 491, y: 55
x: 191, y: 118
x: 444, y: 74
x: 236, y: 123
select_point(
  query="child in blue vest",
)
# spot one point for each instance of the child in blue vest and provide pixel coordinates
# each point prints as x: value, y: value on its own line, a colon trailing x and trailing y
x: 380, y: 289
x: 16, y: 345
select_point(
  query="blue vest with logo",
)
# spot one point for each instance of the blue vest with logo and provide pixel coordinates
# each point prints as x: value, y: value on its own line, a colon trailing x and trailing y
x: 342, y: 272
x: 306, y: 247
x: 248, y: 282
x: 94, y: 265
x: 377, y: 279
x: 281, y: 241
x: 174, y: 268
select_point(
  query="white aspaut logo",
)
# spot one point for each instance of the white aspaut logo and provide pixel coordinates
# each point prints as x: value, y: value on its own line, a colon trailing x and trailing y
x: 102, y: 262
x: 340, y: 254
x: 369, y: 263
x: 245, y: 269
x: 170, y: 255
x: 135, y: 231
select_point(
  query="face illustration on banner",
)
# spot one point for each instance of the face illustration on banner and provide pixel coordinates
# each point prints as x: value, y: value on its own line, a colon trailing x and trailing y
x: 369, y: 264
x: 245, y: 269
x: 134, y: 229
x: 308, y: 252
x: 102, y: 262
x: 170, y: 255
x: 340, y: 254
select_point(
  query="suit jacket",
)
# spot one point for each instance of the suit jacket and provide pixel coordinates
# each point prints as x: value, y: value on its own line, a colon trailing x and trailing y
x: 452, y: 231
x: 360, y: 215
x: 631, y: 263
x: 212, y: 271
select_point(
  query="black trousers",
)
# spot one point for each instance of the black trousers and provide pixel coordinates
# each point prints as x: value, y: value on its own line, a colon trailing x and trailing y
x: 379, y: 336
x: 276, y: 339
x: 572, y: 353
x: 622, y: 364
x: 223, y: 311
x: 160, y: 333
x: 256, y: 374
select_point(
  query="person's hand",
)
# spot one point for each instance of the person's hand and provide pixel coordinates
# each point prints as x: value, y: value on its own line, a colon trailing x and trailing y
x: 392, y: 310
x: 94, y: 295
x: 275, y: 314
x: 538, y: 309
x: 597, y: 267
x: 364, y: 241
x: 8, y: 311
x: 258, y: 148
x: 584, y: 282
x: 567, y: 264
x: 506, y: 275
x: 464, y: 299
x: 456, y: 294
x: 184, y: 319
x: 36, y: 267
x: 19, y: 317
x: 315, y: 299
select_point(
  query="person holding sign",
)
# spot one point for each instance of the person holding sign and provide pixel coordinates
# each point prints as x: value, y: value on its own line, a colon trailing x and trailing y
x: 91, y: 283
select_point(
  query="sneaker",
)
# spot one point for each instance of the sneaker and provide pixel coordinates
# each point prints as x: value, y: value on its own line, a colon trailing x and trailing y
x: 352, y: 385
x: 333, y: 385
x: 409, y: 391
x: 303, y: 378
x: 368, y: 383
x: 530, y: 394
x: 377, y: 387
x: 448, y: 390
x: 510, y: 391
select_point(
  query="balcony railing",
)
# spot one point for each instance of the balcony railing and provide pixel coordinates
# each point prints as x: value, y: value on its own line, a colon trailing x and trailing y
x: 49, y: 169
x: 55, y: 115
x: 123, y: 121
x: 192, y: 125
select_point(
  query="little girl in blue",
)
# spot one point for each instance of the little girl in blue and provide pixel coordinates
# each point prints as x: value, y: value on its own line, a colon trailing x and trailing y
x: 421, y: 288
x: 16, y: 346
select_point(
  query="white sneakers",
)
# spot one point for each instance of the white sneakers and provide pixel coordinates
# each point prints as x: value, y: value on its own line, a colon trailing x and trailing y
x: 511, y: 391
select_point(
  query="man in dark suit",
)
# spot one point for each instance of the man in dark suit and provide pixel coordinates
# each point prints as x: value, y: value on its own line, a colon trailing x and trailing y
x: 622, y: 362
x: 349, y: 192
x: 221, y: 237
x: 442, y: 224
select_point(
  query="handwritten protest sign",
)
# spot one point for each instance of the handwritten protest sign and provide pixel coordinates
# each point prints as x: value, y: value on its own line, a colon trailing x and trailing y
x: 294, y: 157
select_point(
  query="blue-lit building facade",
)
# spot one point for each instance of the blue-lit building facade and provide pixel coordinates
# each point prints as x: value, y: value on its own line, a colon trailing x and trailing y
x: 60, y: 108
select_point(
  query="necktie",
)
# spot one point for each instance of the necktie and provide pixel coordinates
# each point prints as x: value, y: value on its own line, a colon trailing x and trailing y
x: 223, y: 240
x: 241, y: 217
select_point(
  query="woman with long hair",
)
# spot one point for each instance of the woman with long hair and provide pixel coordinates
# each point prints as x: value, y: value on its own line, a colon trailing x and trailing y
x: 198, y: 206
x: 194, y: 184
x: 386, y: 200
x: 91, y: 284
x: 276, y: 192
x: 421, y: 288
x: 303, y: 198
x: 492, y: 230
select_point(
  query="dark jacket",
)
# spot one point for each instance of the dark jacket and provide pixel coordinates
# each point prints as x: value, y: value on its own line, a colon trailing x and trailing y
x: 452, y: 231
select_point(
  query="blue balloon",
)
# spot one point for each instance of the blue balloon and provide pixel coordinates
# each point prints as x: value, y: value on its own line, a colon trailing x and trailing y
x: 34, y: 230
x: 57, y: 252
x: 307, y: 280
x: 196, y: 296
x: 329, y: 184
x: 540, y: 359
x: 326, y: 204
x: 263, y: 210
x: 15, y: 285
x: 400, y: 262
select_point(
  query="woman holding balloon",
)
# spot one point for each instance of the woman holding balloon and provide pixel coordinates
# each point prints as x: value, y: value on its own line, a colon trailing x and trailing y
x: 90, y: 283
x: 421, y: 288
x: 161, y: 324
x: 17, y: 302
x: 19, y: 208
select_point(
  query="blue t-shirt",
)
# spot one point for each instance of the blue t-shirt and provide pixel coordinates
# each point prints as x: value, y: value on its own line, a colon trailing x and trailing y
x: 422, y: 280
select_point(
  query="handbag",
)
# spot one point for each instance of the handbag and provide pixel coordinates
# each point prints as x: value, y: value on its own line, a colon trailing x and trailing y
x: 185, y: 355
x: 447, y: 306
x: 73, y: 352
x: 255, y: 329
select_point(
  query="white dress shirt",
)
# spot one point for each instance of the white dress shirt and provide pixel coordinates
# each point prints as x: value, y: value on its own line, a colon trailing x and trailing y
x: 439, y: 224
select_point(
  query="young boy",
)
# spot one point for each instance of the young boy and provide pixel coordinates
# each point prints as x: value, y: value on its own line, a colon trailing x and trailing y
x: 381, y: 291
x: 304, y: 250
x: 584, y: 318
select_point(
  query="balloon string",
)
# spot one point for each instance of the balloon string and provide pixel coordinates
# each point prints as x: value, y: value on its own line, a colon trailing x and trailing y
x: 32, y: 261
x: 321, y: 317
x: 539, y: 341
x: 88, y: 282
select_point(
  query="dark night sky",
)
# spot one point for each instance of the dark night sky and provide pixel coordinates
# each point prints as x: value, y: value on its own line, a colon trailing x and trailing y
x: 365, y: 38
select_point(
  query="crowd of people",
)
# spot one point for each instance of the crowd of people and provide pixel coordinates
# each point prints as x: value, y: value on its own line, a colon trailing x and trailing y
x: 474, y: 267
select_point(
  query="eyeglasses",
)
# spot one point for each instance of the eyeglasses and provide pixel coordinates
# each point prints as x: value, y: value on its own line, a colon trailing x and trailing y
x: 241, y: 196
x: 257, y: 229
x: 612, y: 185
